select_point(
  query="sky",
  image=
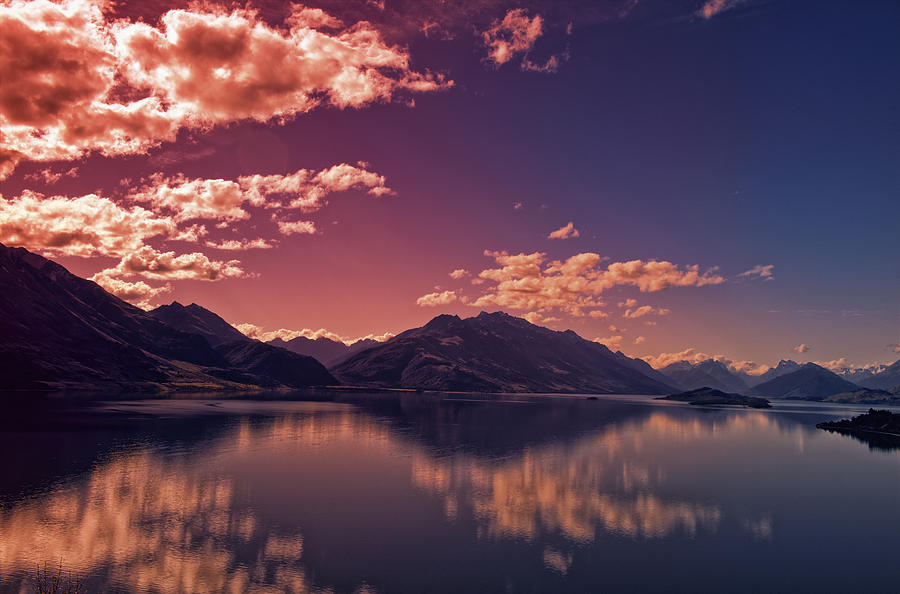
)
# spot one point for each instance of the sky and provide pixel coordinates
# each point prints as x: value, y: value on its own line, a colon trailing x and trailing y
x: 678, y: 179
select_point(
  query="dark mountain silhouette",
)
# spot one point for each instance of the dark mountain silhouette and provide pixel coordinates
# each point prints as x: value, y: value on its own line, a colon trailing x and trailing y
x: 198, y: 320
x: 885, y: 380
x: 712, y: 396
x: 60, y: 331
x: 326, y: 351
x: 867, y: 396
x: 709, y: 373
x: 784, y: 367
x: 283, y: 366
x: 497, y: 353
x: 810, y: 382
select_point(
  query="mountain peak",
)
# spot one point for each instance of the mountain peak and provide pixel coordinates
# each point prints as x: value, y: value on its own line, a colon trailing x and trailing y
x: 497, y: 352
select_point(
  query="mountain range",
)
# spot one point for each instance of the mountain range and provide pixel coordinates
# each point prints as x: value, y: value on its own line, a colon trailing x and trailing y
x: 496, y: 352
x: 887, y: 379
x: 60, y: 331
x: 705, y: 374
x: 809, y: 382
x: 328, y: 352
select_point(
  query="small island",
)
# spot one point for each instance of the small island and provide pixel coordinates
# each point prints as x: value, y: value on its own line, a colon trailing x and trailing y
x: 882, y: 422
x: 712, y: 396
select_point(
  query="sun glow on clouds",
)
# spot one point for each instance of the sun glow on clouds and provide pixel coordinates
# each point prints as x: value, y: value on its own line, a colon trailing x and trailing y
x: 257, y: 333
x: 692, y: 355
x: 515, y: 35
x: 92, y: 225
x: 565, y: 232
x: 85, y: 83
x: 714, y: 7
x: 437, y: 299
x: 528, y: 282
x: 84, y: 226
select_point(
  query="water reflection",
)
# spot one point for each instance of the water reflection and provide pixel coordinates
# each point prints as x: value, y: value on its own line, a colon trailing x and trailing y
x: 147, y: 523
x: 610, y: 481
x: 332, y: 498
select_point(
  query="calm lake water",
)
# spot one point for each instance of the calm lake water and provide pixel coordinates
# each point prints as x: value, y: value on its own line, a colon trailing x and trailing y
x: 353, y: 492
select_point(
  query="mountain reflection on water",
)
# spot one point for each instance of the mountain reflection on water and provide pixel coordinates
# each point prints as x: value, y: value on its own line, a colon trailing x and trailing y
x: 417, y: 493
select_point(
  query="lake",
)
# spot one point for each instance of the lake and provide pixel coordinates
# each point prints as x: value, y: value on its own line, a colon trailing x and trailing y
x: 408, y: 493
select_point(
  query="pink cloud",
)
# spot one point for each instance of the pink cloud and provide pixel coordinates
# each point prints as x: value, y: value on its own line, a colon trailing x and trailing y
x: 538, y: 318
x: 759, y: 271
x: 565, y: 232
x: 258, y: 333
x: 645, y: 310
x: 692, y: 355
x: 149, y: 263
x: 85, y: 83
x: 297, y: 227
x: 713, y: 7
x: 139, y: 293
x: 459, y: 273
x: 639, y: 340
x: 528, y: 282
x: 307, y: 190
x: 437, y: 299
x: 515, y: 34
x: 243, y: 244
x: 84, y: 226
x: 801, y: 348
x: 194, y: 198
x: 613, y: 343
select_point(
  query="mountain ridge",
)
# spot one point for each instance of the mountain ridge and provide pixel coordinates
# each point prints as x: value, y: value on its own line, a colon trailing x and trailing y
x: 64, y: 332
x: 496, y: 352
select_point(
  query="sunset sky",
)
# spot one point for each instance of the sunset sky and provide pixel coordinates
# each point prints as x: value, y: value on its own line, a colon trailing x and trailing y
x: 715, y: 178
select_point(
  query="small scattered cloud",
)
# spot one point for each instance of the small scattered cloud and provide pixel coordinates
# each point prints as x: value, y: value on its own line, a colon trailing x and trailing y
x: 616, y: 330
x: 297, y: 227
x: 645, y: 310
x: 565, y: 232
x: 538, y: 318
x: 639, y: 340
x: 895, y: 348
x: 801, y: 348
x: 437, y: 299
x: 242, y: 244
x: 763, y: 272
x: 613, y: 343
x: 514, y: 34
x: 628, y: 303
x: 518, y: 206
x: 715, y: 7
x: 459, y: 273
